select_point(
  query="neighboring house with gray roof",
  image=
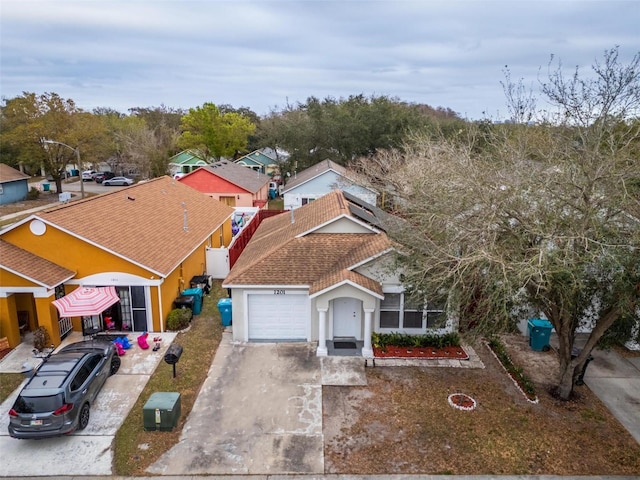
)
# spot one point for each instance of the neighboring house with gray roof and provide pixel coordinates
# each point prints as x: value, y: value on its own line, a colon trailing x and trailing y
x: 318, y: 180
x: 324, y: 273
x: 14, y: 185
x: 258, y: 161
x: 230, y: 183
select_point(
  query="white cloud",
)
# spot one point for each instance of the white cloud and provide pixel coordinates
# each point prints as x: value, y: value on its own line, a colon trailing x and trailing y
x: 261, y: 54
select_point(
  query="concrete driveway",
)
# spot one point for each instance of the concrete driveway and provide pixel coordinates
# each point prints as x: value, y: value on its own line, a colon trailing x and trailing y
x: 87, y: 452
x: 259, y: 412
x: 616, y: 382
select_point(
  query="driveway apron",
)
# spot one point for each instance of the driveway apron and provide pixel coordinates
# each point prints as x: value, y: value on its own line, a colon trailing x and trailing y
x: 616, y: 381
x: 259, y: 412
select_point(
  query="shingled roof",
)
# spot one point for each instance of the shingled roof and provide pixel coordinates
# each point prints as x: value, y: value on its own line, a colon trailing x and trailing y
x: 241, y: 176
x: 315, y: 170
x: 155, y: 224
x: 32, y: 267
x: 10, y: 174
x: 291, y: 251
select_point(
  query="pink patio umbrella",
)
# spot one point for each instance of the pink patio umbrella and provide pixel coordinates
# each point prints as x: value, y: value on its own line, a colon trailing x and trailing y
x: 85, y: 301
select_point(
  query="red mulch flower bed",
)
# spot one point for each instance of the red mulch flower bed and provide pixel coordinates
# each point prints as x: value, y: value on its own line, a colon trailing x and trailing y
x: 391, y: 351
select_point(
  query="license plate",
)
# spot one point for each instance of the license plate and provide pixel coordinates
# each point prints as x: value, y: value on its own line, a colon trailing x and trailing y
x: 35, y: 423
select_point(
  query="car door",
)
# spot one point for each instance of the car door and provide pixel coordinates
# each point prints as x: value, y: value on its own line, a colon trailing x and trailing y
x: 98, y: 375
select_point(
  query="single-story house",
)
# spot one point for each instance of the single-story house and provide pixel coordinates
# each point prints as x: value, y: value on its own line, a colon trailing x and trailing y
x: 258, y: 161
x: 14, y: 185
x: 186, y: 162
x: 230, y: 183
x: 318, y: 180
x: 147, y: 241
x: 325, y: 272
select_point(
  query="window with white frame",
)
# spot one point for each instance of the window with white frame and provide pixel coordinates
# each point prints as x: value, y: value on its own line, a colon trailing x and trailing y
x: 399, y: 312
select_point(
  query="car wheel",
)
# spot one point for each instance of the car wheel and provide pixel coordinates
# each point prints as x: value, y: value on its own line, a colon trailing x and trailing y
x: 83, y: 418
x: 115, y: 365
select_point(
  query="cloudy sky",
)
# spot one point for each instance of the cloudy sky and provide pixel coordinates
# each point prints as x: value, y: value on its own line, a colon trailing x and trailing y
x: 267, y: 54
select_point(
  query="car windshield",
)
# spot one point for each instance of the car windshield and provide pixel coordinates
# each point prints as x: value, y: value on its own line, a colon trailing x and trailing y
x: 38, y: 404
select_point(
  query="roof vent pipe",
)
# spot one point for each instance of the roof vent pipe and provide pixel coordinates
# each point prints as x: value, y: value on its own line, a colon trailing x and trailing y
x: 185, y: 225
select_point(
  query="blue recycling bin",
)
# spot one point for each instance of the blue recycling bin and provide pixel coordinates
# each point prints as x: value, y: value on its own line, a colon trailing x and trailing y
x: 539, y: 334
x: 197, y: 294
x: 224, y: 305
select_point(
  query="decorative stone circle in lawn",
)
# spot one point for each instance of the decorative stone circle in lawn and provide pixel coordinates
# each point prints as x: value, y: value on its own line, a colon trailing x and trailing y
x: 462, y: 401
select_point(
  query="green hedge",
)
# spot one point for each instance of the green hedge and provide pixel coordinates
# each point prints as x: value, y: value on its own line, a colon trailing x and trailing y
x: 515, y: 371
x: 381, y: 340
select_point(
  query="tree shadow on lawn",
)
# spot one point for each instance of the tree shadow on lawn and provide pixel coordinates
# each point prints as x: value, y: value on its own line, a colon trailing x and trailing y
x: 401, y: 423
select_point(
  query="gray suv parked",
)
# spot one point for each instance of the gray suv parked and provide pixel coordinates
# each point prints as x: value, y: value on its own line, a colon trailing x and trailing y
x: 57, y: 398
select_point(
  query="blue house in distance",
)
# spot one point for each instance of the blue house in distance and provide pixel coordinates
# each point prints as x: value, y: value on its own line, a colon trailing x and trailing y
x: 14, y: 185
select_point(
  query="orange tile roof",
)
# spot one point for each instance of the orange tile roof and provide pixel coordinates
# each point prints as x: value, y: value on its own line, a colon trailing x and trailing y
x: 32, y: 267
x: 145, y: 222
x: 278, y: 253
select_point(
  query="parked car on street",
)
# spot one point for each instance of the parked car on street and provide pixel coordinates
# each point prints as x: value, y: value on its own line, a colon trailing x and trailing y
x: 102, y: 176
x: 123, y: 181
x: 57, y: 399
x: 87, y: 175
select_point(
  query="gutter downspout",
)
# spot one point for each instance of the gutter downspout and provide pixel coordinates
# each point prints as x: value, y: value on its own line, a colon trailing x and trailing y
x: 160, y: 308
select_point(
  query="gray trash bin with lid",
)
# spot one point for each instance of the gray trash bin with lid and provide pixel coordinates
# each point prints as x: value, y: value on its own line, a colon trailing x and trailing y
x: 224, y: 306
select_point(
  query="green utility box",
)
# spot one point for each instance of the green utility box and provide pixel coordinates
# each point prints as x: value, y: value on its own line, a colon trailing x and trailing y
x: 162, y: 411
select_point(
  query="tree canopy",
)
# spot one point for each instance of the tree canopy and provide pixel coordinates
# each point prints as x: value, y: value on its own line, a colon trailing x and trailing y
x: 344, y: 129
x: 30, y: 119
x: 215, y: 133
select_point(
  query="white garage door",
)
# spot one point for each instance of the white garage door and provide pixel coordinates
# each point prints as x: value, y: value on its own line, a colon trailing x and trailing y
x: 278, y: 317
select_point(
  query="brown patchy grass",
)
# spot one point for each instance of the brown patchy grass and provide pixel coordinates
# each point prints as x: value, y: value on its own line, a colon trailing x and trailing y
x: 401, y: 423
x: 136, y: 449
x: 8, y: 383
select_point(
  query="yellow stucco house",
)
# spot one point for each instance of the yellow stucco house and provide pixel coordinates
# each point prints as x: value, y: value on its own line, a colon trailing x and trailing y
x: 147, y: 241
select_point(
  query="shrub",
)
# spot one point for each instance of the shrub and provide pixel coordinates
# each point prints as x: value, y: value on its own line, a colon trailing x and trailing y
x: 396, y: 339
x: 33, y: 193
x: 178, y: 318
x: 514, y: 371
x: 41, y: 339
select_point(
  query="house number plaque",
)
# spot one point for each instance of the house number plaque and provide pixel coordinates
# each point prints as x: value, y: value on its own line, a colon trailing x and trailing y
x: 279, y: 292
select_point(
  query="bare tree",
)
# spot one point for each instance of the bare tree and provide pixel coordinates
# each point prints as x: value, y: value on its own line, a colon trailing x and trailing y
x: 538, y: 215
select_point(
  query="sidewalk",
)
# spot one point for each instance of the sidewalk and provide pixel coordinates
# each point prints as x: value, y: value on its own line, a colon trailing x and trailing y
x: 340, y: 477
x: 22, y: 213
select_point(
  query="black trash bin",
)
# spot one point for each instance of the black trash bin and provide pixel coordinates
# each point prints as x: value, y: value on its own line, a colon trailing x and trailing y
x: 575, y: 352
x: 201, y: 281
x: 185, y: 301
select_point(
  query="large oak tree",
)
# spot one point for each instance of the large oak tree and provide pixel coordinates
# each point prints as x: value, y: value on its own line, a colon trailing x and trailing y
x: 521, y: 218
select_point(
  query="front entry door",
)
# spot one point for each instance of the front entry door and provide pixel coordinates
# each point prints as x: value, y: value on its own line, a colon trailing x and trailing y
x: 347, y: 318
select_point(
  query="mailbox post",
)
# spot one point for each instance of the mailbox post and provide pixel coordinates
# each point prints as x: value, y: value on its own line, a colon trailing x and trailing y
x: 174, y: 352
